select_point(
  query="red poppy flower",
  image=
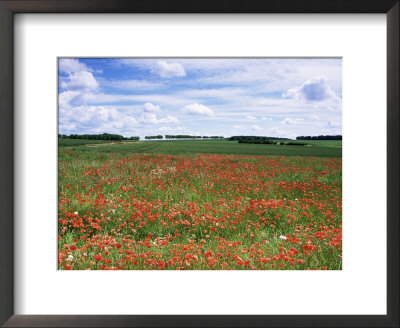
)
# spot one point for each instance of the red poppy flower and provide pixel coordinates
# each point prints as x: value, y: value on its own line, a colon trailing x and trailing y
x: 97, y: 257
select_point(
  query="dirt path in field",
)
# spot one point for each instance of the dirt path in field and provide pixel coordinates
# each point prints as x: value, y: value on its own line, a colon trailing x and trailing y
x: 107, y: 144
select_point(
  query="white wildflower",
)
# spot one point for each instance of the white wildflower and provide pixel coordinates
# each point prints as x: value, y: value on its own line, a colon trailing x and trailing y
x: 76, y: 213
x: 283, y: 237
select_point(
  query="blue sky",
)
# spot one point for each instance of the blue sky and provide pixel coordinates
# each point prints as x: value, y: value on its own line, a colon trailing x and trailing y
x: 204, y: 96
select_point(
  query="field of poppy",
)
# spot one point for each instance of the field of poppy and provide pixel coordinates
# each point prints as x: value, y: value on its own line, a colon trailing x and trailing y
x: 138, y: 211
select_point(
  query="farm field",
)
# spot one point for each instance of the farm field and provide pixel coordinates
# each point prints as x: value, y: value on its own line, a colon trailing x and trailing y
x: 200, y: 205
x: 324, y: 143
x: 316, y: 148
x: 80, y: 142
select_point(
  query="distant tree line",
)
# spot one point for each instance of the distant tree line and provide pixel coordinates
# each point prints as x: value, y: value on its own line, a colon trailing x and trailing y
x: 104, y: 136
x: 338, y: 137
x: 258, y: 141
x: 271, y: 142
x: 254, y: 138
x: 294, y: 143
x: 154, y: 137
x: 240, y: 139
x: 186, y: 136
x: 213, y: 137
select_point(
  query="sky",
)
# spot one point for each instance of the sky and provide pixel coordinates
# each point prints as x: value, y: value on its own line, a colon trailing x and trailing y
x: 275, y: 97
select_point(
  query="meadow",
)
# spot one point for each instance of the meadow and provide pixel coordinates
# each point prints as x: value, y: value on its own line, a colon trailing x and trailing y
x: 315, y: 148
x: 81, y: 142
x: 200, y: 205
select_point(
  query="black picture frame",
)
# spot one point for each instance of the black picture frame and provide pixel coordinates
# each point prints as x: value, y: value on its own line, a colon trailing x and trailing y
x: 10, y: 7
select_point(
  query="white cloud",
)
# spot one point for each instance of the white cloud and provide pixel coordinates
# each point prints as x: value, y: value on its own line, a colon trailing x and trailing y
x: 266, y: 118
x: 93, y: 98
x: 251, y: 117
x: 149, y: 115
x: 256, y: 128
x: 292, y: 120
x: 68, y: 65
x: 90, y: 114
x: 220, y: 93
x: 131, y: 84
x: 149, y: 107
x: 151, y: 118
x: 270, y: 75
x: 334, y: 125
x: 247, y: 129
x: 129, y: 121
x: 198, y: 109
x: 77, y: 85
x: 65, y: 98
x: 315, y: 89
x: 168, y: 119
x: 277, y: 132
x: 264, y: 75
x: 165, y: 69
x: 165, y: 129
x: 175, y: 130
x: 80, y: 81
x: 67, y: 127
x: 96, y: 119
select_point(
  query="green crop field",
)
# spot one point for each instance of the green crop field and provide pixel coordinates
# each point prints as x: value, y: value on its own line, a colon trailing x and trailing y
x: 80, y: 142
x: 324, y: 143
x: 315, y: 148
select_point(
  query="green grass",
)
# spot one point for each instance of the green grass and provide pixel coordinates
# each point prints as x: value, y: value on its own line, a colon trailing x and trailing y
x: 316, y: 148
x: 324, y: 143
x: 80, y: 142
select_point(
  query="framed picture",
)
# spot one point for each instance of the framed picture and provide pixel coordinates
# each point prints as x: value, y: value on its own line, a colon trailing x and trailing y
x: 162, y: 165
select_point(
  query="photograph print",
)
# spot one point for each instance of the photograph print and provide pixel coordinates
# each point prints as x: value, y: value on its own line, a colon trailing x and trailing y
x: 199, y: 163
